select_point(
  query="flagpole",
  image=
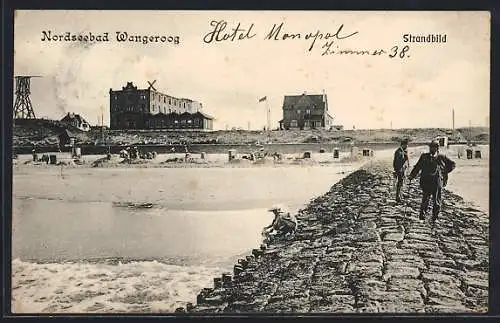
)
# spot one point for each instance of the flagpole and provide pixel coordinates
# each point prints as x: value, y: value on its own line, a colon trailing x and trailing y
x: 268, y: 115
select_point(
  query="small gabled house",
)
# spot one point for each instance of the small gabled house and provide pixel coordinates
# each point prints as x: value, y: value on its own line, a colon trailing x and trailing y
x: 76, y: 120
x: 306, y: 111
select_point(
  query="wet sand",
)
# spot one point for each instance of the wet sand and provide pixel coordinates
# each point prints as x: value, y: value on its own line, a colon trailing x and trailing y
x: 44, y: 284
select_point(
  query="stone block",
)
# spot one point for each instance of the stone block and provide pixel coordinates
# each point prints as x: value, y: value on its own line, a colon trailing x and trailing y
x: 477, y: 279
x: 390, y: 228
x: 290, y: 305
x: 394, y: 297
x: 368, y: 286
x: 336, y: 257
x: 335, y: 266
x: 367, y: 236
x: 443, y: 291
x: 330, y: 309
x: 443, y: 262
x: 399, y: 271
x: 406, y: 284
x: 406, y: 308
x: 245, y: 307
x: 435, y: 277
x: 419, y: 246
x: 478, y: 293
x: 444, y: 301
x: 465, y: 264
x: 340, y: 300
x: 393, y: 236
x: 457, y: 249
x: 368, y: 309
x: 329, y: 290
x: 365, y: 269
x: 366, y: 225
x: 444, y: 270
x: 433, y: 254
x: 418, y: 228
x: 456, y: 309
x: 420, y: 237
x: 369, y: 255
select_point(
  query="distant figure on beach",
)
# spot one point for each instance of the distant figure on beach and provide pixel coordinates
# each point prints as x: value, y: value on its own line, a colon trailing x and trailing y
x: 400, y: 165
x: 434, y: 168
x: 284, y: 223
x: 35, y: 156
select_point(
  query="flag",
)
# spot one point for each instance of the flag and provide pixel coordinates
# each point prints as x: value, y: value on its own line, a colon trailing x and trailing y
x: 263, y: 99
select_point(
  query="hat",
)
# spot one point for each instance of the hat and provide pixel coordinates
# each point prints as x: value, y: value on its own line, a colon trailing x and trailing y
x: 404, y: 141
x: 434, y: 143
x: 276, y: 208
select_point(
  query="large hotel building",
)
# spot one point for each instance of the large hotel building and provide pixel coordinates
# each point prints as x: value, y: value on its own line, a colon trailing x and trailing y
x: 133, y: 108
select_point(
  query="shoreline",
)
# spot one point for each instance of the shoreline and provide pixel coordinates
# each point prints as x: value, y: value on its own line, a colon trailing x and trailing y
x: 93, y: 303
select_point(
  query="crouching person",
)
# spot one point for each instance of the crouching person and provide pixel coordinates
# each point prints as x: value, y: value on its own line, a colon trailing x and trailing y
x: 284, y: 223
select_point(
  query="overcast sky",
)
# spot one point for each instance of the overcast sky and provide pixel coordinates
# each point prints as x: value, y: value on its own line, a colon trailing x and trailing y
x: 229, y: 77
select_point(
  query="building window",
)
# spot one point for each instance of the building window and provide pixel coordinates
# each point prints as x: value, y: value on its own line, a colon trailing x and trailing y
x: 307, y: 124
x: 169, y: 110
x: 176, y: 121
x: 175, y: 102
x: 318, y: 124
x: 293, y: 123
x: 308, y: 111
x: 190, y: 121
x: 170, y: 101
x: 298, y: 111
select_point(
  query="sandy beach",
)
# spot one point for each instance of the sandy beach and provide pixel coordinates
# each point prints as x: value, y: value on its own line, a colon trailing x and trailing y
x: 76, y: 238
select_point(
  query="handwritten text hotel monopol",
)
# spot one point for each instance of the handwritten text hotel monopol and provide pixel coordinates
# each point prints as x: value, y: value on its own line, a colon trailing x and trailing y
x: 220, y: 32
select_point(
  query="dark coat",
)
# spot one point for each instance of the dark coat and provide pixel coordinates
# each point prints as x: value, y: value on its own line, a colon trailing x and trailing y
x: 400, y: 161
x: 434, y: 171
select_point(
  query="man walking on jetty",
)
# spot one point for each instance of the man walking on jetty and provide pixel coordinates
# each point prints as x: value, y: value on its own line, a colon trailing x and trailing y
x: 434, y: 168
x: 400, y: 165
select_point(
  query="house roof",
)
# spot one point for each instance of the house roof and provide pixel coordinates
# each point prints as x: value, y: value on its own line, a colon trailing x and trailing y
x: 303, y: 100
x: 205, y: 115
x: 70, y: 116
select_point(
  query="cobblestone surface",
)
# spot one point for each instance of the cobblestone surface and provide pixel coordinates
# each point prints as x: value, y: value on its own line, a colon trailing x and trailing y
x: 357, y: 251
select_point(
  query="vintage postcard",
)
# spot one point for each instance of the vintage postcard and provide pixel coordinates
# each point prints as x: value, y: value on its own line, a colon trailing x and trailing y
x: 215, y: 162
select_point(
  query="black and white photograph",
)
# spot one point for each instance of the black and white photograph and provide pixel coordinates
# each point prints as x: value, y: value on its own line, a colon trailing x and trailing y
x: 197, y: 162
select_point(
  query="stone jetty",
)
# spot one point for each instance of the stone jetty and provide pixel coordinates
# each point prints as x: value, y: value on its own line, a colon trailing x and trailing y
x: 357, y: 251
